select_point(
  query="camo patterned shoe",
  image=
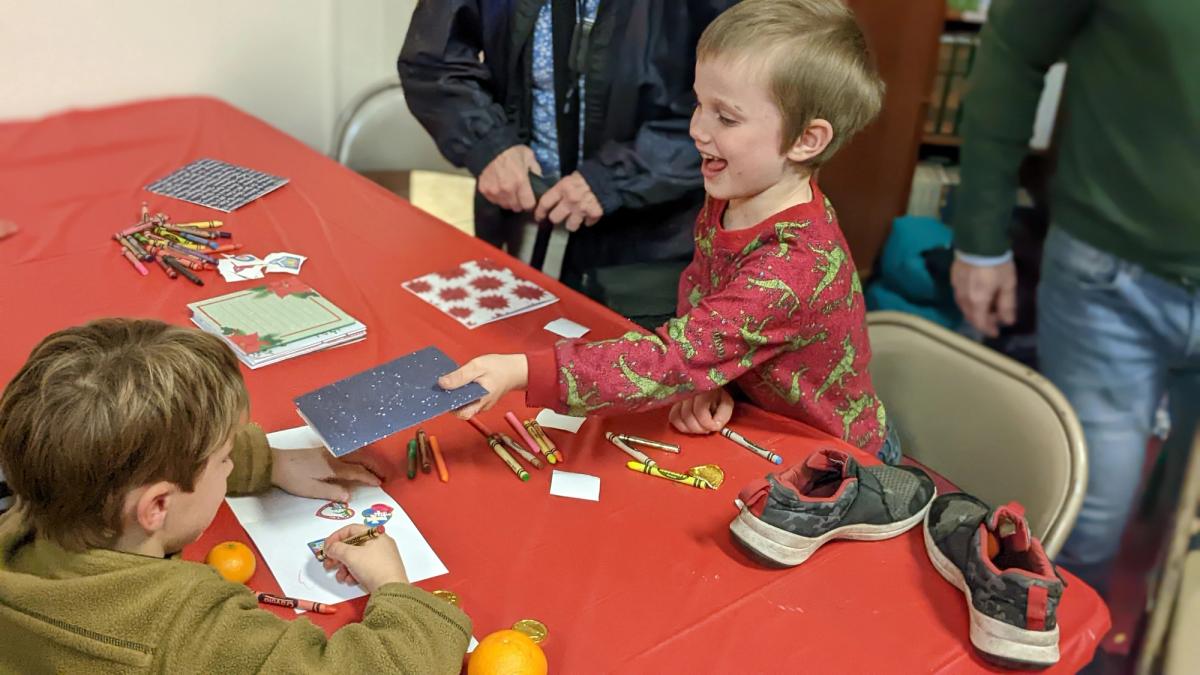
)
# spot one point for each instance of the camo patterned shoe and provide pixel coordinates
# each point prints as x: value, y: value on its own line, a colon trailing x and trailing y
x: 785, y: 518
x: 1012, y: 588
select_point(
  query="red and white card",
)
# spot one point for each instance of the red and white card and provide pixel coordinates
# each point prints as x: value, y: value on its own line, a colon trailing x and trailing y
x: 478, y: 292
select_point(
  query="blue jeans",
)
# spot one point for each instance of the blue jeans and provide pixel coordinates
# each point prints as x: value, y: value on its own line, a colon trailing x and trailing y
x: 1114, y: 338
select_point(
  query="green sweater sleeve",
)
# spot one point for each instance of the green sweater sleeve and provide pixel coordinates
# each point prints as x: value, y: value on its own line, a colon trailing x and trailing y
x: 251, y: 461
x: 1018, y: 44
x: 403, y: 630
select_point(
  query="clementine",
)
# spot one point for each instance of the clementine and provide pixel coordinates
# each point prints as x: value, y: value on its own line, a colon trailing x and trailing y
x: 233, y: 560
x: 507, y: 652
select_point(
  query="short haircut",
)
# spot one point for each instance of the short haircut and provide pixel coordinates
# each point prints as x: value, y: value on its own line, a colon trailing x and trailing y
x: 106, y: 407
x: 815, y: 58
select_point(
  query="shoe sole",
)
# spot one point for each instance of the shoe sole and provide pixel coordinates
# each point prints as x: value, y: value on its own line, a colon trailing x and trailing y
x: 996, y: 639
x: 780, y: 547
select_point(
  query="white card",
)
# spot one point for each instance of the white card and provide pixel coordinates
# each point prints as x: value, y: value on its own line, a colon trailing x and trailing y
x: 288, y: 263
x: 296, y: 438
x: 567, y: 328
x: 549, y: 418
x: 575, y: 485
x: 282, y: 525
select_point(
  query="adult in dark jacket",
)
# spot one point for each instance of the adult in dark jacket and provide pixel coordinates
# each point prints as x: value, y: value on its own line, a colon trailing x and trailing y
x: 631, y: 178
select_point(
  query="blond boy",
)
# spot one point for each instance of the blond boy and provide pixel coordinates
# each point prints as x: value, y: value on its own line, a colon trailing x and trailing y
x: 771, y: 303
x: 119, y: 439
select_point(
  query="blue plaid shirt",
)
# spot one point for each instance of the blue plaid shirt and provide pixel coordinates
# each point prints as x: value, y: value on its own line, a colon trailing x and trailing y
x: 545, y: 122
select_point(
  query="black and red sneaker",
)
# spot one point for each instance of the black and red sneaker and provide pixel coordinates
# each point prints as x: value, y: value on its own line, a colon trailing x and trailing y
x: 785, y: 518
x: 1012, y: 588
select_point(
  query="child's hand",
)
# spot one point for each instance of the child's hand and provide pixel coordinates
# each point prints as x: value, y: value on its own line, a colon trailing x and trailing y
x: 705, y: 413
x: 498, y: 373
x: 313, y: 472
x: 371, y: 564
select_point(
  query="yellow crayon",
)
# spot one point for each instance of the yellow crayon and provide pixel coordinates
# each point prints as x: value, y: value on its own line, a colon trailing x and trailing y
x: 201, y: 224
x: 680, y: 478
x: 539, y: 436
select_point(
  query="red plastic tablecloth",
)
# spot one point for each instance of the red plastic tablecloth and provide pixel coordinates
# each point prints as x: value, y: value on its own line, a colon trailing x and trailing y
x: 645, y: 580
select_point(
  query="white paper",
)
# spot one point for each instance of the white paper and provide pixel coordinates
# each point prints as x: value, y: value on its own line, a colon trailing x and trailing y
x: 296, y: 438
x: 473, y: 644
x: 575, y: 485
x: 288, y: 263
x: 281, y: 525
x: 549, y: 418
x: 567, y: 328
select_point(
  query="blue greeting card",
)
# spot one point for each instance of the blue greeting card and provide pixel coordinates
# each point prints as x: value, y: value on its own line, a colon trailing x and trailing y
x: 377, y: 403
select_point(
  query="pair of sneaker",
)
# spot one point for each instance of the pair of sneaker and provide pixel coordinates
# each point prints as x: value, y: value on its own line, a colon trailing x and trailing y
x: 1011, y: 587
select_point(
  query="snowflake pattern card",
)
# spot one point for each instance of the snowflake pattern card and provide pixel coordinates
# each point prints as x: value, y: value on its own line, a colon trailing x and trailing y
x: 480, y: 292
x: 377, y: 403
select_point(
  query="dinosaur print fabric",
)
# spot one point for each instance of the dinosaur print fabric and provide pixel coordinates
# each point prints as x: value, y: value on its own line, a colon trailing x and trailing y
x: 776, y: 308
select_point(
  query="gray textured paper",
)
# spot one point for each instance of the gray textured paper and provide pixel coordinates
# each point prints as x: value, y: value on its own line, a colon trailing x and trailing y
x: 216, y: 184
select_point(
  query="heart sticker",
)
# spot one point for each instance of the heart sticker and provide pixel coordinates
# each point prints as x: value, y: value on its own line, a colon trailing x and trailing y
x: 335, y: 511
x: 378, y: 514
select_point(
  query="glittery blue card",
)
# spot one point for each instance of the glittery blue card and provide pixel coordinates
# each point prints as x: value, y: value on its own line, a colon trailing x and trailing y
x: 377, y: 403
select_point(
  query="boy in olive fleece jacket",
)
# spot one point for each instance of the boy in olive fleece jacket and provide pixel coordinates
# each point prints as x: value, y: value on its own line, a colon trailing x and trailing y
x: 145, y: 440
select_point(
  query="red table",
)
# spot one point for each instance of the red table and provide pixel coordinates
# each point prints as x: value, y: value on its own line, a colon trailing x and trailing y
x: 645, y: 580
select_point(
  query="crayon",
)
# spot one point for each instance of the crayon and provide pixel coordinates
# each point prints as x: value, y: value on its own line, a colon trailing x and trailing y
x: 522, y: 432
x: 226, y: 248
x: 440, y: 461
x: 166, y: 268
x: 751, y: 446
x: 548, y: 448
x: 636, y: 454
x: 194, y: 254
x: 412, y: 458
x: 132, y: 246
x: 203, y: 234
x: 494, y: 442
x: 681, y: 478
x: 356, y: 540
x: 423, y: 446
x: 295, y: 603
x: 137, y: 265
x: 203, y: 241
x: 658, y: 445
x: 187, y: 274
x: 480, y: 427
x: 201, y: 224
x: 516, y: 447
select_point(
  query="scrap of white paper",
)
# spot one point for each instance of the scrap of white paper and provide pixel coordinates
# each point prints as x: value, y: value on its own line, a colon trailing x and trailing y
x: 473, y: 644
x: 281, y: 525
x: 566, y: 328
x: 240, y: 267
x: 296, y: 438
x: 288, y: 263
x: 575, y: 485
x: 549, y: 418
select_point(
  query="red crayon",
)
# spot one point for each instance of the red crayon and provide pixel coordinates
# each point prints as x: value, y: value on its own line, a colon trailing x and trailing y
x: 226, y: 248
x: 165, y: 267
x: 295, y: 603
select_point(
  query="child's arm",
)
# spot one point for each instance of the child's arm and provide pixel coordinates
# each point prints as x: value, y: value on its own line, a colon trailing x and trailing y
x: 755, y: 317
x: 310, y: 472
x: 705, y: 413
x: 404, y: 629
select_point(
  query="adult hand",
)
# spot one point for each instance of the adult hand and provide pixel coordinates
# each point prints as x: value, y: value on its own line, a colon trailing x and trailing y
x: 498, y: 373
x: 313, y: 472
x: 986, y: 294
x: 371, y: 564
x: 505, y: 181
x: 570, y: 203
x: 705, y: 413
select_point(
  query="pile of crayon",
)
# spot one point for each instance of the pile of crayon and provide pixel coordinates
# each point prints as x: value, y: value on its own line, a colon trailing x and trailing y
x: 534, y: 442
x: 180, y: 249
x: 423, y: 450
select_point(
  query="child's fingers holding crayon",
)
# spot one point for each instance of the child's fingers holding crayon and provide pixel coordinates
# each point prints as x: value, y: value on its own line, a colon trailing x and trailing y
x: 372, y: 563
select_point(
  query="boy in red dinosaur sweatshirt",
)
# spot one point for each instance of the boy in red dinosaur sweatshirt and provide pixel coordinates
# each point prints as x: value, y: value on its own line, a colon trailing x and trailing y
x: 771, y: 302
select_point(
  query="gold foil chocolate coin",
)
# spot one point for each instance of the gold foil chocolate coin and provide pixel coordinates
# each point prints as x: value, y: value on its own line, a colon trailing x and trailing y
x: 449, y: 596
x: 709, y: 473
x: 536, y: 630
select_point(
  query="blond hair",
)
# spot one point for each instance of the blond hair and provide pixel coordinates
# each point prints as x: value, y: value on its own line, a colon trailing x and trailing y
x: 106, y: 407
x: 816, y: 60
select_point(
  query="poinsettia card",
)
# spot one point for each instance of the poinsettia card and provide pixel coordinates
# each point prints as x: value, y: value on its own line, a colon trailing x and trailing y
x: 478, y: 292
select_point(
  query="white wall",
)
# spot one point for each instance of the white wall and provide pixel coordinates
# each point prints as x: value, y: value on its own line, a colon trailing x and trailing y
x: 294, y: 63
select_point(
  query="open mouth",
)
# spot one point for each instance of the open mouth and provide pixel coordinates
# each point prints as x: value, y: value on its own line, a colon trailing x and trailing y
x: 711, y: 165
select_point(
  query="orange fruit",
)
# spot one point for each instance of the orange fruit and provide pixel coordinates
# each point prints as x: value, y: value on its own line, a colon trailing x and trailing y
x: 507, y: 652
x: 233, y: 560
